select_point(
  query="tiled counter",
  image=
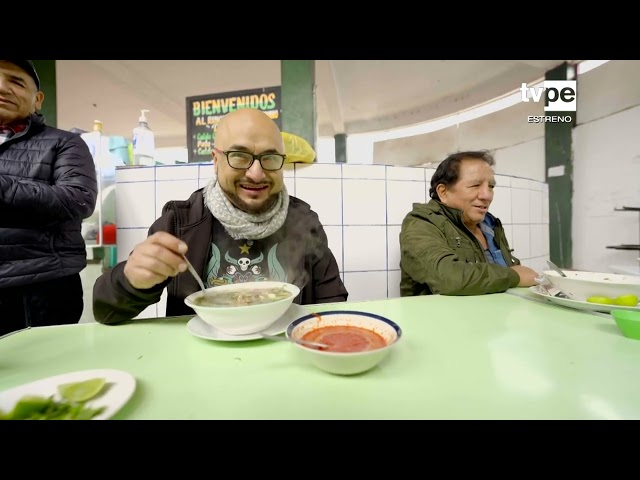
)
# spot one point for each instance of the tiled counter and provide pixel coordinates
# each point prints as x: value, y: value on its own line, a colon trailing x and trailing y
x: 360, y: 206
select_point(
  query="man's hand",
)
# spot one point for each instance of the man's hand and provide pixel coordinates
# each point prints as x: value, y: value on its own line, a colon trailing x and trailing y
x: 527, y: 275
x: 154, y: 260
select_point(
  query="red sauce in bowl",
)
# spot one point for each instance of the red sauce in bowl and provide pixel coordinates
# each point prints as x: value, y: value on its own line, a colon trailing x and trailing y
x: 342, y: 338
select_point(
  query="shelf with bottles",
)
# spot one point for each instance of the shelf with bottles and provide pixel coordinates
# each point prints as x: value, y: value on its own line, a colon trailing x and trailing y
x: 97, y: 230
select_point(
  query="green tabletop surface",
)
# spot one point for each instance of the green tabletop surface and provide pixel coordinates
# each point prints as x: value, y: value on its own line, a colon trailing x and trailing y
x: 494, y: 356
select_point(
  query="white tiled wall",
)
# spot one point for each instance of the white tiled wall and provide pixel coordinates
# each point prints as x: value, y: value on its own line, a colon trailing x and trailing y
x: 360, y: 206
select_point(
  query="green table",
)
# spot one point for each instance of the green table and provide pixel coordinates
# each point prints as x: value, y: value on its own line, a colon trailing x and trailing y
x: 486, y: 357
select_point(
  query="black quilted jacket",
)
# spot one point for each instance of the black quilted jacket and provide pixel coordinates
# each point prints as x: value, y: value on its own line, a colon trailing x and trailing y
x: 47, y: 187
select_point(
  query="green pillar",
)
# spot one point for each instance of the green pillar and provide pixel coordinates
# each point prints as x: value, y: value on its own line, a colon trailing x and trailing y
x: 559, y: 154
x: 47, y: 73
x: 298, y: 90
x: 341, y: 147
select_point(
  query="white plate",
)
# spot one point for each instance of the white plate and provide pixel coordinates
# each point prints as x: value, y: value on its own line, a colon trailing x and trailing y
x: 200, y: 328
x: 118, y: 390
x: 593, y: 307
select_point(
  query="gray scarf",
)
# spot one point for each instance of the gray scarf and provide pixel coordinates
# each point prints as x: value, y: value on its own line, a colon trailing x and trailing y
x: 240, y: 224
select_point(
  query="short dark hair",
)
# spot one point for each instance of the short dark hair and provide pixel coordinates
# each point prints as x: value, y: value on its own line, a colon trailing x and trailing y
x: 448, y: 171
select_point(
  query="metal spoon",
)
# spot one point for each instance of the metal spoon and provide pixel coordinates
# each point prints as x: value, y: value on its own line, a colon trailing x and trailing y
x: 556, y: 268
x: 194, y: 273
x: 320, y: 346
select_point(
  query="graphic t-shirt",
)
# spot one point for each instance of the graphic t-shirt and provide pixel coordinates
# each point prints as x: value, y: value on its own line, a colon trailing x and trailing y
x: 240, y: 261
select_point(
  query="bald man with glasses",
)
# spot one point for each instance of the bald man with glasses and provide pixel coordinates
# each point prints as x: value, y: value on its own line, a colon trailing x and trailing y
x: 242, y: 227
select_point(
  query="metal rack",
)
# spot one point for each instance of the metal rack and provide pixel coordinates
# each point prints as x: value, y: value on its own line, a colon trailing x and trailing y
x: 632, y: 246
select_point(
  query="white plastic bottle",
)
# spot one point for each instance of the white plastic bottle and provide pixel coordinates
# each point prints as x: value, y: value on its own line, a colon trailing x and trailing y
x: 143, y: 142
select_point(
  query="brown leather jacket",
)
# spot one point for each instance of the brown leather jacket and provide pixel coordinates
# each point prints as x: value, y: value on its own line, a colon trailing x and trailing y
x: 302, y: 242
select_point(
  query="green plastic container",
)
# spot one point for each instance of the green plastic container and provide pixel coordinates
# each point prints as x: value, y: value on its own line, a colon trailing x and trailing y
x: 628, y: 322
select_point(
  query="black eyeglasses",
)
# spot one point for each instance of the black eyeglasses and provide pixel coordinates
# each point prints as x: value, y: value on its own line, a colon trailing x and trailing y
x: 244, y: 160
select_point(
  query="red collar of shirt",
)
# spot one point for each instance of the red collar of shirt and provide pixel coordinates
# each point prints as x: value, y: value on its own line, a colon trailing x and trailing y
x: 15, y: 127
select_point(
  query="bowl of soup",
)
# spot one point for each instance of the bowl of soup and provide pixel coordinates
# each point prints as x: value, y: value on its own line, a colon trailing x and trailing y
x: 243, y: 308
x: 355, y: 341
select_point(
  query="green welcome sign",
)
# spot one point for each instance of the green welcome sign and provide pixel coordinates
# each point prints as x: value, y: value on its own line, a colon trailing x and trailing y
x: 205, y: 111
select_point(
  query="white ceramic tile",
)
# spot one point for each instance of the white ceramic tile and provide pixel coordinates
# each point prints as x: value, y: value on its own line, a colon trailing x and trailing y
x: 177, y: 172
x: 334, y: 238
x: 535, y: 207
x: 393, y: 283
x: 545, y: 207
x: 519, y: 183
x: 290, y: 183
x: 532, y: 263
x: 202, y: 182
x: 368, y: 256
x: 178, y: 190
x: 135, y: 204
x: 318, y: 170
x: 508, y: 232
x: 521, y: 241
x: 206, y: 170
x: 370, y: 172
x: 393, y: 247
x: 428, y: 173
x: 520, y: 209
x: 501, y: 205
x: 288, y: 170
x: 537, y: 247
x: 535, y: 185
x: 127, y: 239
x: 135, y: 174
x: 365, y: 286
x: 363, y: 202
x: 539, y: 264
x: 324, y: 196
x: 400, y: 199
x: 405, y: 173
x: 326, y: 159
x: 365, y: 248
x: 150, y: 312
x: 503, y: 181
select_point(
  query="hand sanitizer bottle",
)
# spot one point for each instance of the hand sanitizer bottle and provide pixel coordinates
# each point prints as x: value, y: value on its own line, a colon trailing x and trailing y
x: 143, y: 142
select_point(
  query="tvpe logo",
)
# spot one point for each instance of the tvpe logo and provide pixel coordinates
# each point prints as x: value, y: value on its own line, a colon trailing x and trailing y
x: 558, y: 95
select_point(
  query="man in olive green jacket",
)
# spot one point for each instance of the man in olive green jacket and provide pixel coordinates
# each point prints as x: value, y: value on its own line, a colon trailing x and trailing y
x: 452, y: 245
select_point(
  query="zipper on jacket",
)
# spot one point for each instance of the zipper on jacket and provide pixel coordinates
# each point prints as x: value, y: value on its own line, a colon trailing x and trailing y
x: 474, y: 239
x: 19, y: 134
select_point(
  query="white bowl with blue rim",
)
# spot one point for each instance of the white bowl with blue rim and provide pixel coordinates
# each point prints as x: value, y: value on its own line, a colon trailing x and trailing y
x: 345, y: 363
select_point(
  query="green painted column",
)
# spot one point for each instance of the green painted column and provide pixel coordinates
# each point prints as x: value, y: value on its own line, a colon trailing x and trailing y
x: 298, y: 90
x: 47, y: 73
x: 559, y: 156
x: 341, y: 147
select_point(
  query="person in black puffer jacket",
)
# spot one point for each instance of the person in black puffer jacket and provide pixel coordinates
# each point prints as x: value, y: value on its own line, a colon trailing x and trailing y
x: 47, y: 187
